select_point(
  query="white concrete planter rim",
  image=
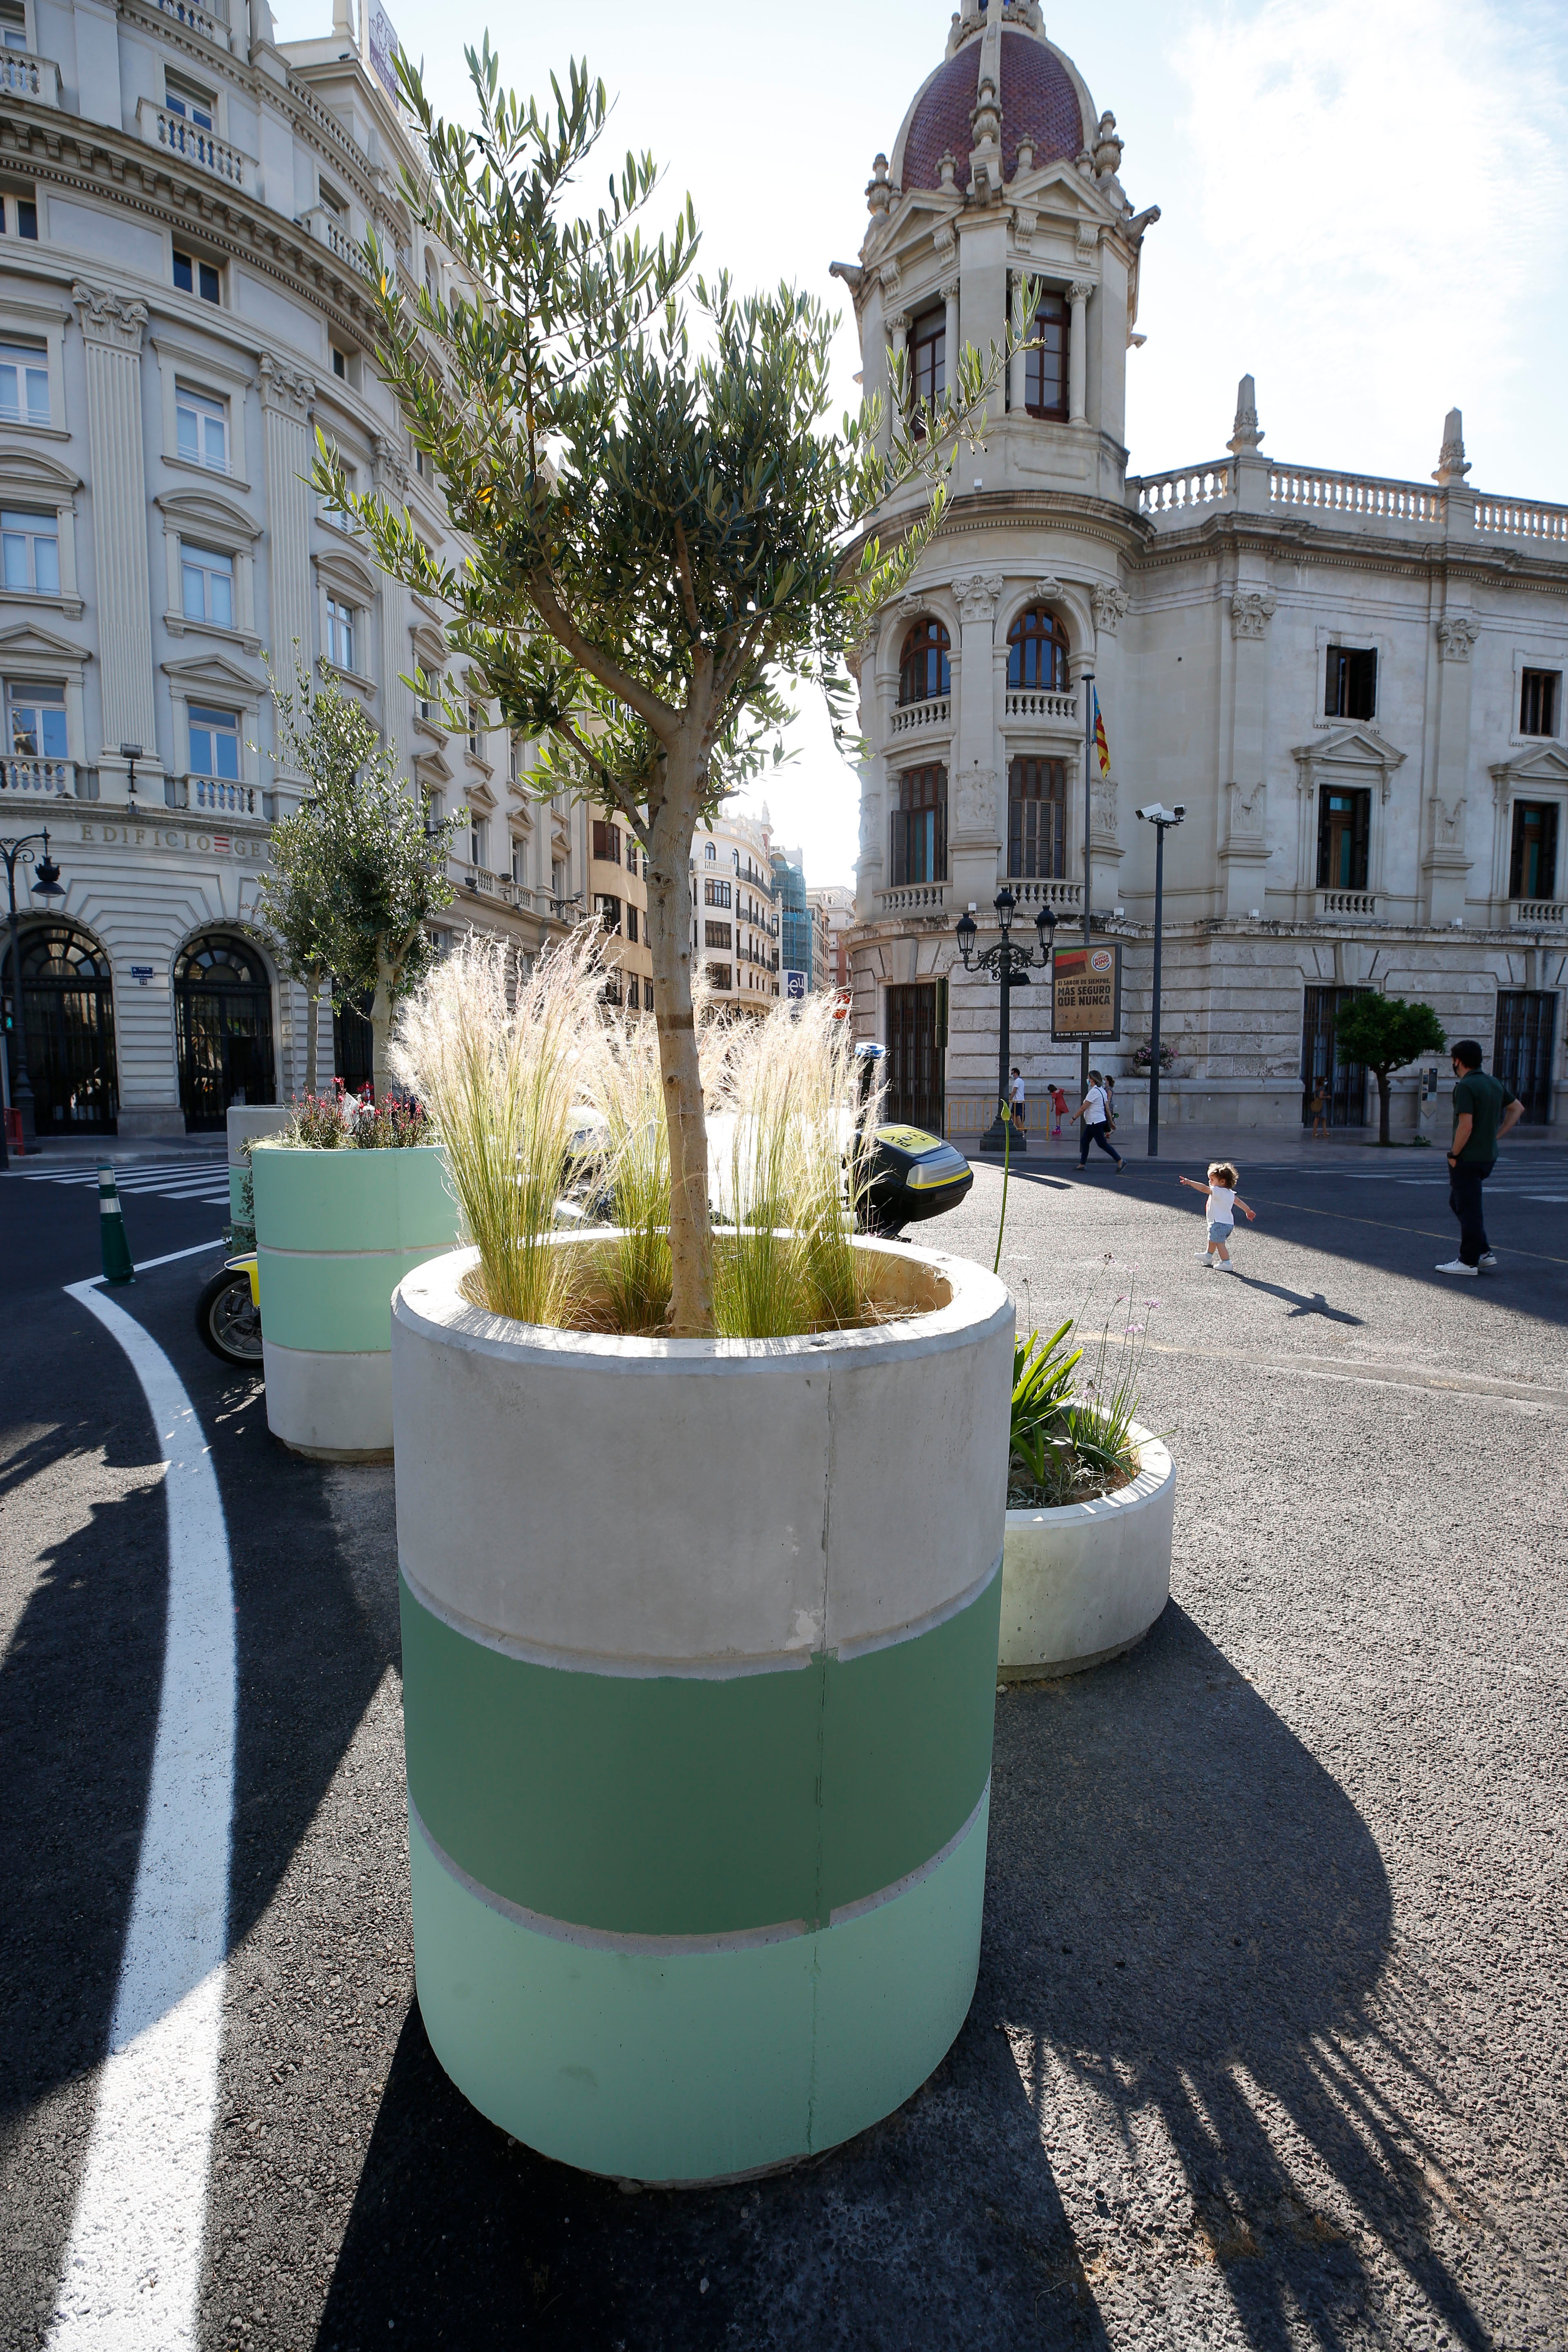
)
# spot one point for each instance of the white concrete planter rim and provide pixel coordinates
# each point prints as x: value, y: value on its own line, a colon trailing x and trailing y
x: 1154, y: 1466
x: 430, y: 1299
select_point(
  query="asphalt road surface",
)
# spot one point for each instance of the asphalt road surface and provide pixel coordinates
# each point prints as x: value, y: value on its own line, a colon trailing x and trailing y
x: 1267, y: 2045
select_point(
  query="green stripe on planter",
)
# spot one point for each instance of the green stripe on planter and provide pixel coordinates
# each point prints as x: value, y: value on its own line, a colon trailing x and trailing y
x: 676, y: 1805
x: 694, y: 2065
x: 334, y: 1304
x: 350, y: 1200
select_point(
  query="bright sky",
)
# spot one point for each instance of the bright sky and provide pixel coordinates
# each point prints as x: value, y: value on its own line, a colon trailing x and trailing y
x: 1364, y: 204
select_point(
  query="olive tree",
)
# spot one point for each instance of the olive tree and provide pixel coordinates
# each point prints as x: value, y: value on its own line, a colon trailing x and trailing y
x: 667, y: 530
x: 1384, y: 1033
x: 356, y: 871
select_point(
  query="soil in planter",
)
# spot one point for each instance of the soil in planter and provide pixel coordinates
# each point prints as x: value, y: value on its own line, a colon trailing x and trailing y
x: 1077, y: 1481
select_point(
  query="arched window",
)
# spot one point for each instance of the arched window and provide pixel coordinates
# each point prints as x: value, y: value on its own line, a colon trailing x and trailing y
x: 222, y: 1029
x: 69, y: 1009
x: 1037, y: 652
x: 1036, y: 819
x: 924, y: 669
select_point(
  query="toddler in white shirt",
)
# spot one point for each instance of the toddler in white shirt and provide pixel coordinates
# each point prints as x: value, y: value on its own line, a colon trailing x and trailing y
x: 1224, y: 1201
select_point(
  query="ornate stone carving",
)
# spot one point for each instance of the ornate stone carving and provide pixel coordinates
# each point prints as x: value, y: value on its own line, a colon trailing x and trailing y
x: 978, y: 594
x: 1102, y: 805
x: 948, y: 289
x: 945, y: 242
x: 1088, y: 241
x: 974, y: 801
x: 1107, y: 148
x: 287, y: 389
x: 1451, y: 467
x: 879, y: 190
x: 897, y: 322
x: 108, y: 319
x: 1047, y: 589
x: 1080, y: 290
x: 1447, y: 824
x: 891, y: 282
x: 870, y: 816
x: 1251, y: 610
x: 1246, y: 433
x: 1110, y: 604
x: 1246, y: 809
x: 390, y: 470
x: 1457, y: 633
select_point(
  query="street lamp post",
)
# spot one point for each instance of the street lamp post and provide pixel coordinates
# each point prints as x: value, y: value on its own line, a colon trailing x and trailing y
x: 48, y: 886
x: 1010, y: 966
x: 1161, y: 819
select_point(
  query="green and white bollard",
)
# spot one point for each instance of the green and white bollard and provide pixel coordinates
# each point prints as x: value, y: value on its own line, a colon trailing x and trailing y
x: 116, y: 1265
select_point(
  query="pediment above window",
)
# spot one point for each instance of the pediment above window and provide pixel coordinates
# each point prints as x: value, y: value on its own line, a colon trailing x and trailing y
x: 30, y: 645
x: 1545, y: 767
x: 339, y: 568
x: 1357, y: 751
x: 432, y: 771
x: 210, y: 511
x: 29, y: 470
x: 213, y: 674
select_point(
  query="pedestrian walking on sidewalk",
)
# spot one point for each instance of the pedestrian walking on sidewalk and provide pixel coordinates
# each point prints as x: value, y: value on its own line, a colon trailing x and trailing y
x: 1095, y: 1113
x: 1224, y: 1201
x: 1483, y: 1111
x: 1321, y: 1113
x: 1020, y: 1106
x: 1059, y: 1109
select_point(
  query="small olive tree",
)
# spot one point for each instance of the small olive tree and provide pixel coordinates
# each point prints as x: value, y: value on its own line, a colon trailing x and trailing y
x: 1384, y: 1033
x: 665, y: 526
x: 356, y: 871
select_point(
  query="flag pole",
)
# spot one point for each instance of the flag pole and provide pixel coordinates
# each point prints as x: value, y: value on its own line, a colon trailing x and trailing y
x: 1089, y: 711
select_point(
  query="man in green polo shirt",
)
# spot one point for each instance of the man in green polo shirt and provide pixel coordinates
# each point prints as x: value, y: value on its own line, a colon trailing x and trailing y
x: 1483, y: 1110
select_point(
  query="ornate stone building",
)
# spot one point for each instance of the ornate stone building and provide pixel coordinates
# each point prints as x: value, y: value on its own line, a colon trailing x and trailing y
x: 1353, y: 686
x: 181, y: 308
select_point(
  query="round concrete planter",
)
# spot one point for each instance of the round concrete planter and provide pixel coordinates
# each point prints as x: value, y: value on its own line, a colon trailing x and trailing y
x: 699, y: 1673
x: 335, y: 1232
x: 246, y: 1122
x: 1080, y: 1584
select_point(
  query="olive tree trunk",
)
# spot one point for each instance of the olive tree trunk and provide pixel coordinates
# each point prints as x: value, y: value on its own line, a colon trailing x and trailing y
x: 1382, y: 1078
x: 669, y: 938
x: 388, y: 972
x: 313, y: 1009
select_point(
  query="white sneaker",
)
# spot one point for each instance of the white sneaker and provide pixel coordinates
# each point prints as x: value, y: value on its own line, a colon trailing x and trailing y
x: 1225, y: 1265
x: 1458, y: 1266
x: 1203, y: 1258
x: 1489, y: 1261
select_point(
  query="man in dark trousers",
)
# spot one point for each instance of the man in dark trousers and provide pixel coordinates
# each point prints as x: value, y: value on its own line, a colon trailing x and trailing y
x: 1483, y: 1110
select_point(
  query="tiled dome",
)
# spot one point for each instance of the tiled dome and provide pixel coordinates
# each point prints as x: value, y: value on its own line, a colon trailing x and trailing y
x: 1038, y: 102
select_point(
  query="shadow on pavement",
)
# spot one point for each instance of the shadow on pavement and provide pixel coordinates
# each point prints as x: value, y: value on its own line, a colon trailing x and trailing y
x: 1187, y: 1927
x: 1301, y: 1303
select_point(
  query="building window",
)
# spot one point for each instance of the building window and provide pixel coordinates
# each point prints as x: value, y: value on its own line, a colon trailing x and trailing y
x: 336, y: 516
x: 560, y: 880
x: 430, y: 700
x: 193, y: 277
x: 434, y: 810
x: 1538, y: 702
x: 24, y: 383
x: 201, y: 429
x: 1344, y: 826
x: 721, y: 976
x: 1045, y: 360
x: 340, y: 620
x: 1036, y: 819
x: 710, y: 853
x: 478, y: 840
x: 920, y: 826
x: 519, y: 861
x: 631, y: 923
x: 18, y: 216
x: 36, y: 716
x: 1037, y: 652
x: 606, y: 842
x: 717, y: 935
x: 13, y: 25
x: 189, y: 102
x: 206, y: 581
x: 31, y: 546
x: 924, y: 669
x: 214, y: 743
x: 1533, y: 868
x: 608, y: 910
x: 714, y: 892
x: 928, y: 362
x: 340, y: 365
x: 1351, y: 684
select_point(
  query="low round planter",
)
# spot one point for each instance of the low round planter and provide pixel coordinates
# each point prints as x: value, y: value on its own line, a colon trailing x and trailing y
x: 698, y: 1677
x: 335, y: 1232
x: 246, y: 1123
x: 1083, y: 1583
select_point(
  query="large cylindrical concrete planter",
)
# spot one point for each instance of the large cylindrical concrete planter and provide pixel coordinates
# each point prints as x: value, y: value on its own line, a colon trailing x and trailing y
x: 246, y: 1122
x: 698, y: 1677
x: 335, y: 1232
x: 1082, y: 1583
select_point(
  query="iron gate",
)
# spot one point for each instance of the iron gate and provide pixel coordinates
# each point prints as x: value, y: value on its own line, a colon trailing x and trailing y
x: 916, y: 1039
x: 69, y: 1003
x: 1343, y: 1083
x: 223, y: 1024
x: 1522, y: 1048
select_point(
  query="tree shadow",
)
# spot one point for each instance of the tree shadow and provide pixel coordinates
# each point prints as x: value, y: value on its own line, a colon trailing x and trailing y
x: 1191, y: 1924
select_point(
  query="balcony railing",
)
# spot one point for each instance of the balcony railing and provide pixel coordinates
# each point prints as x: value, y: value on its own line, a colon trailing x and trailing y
x: 1063, y: 897
x: 1334, y: 906
x: 1189, y: 488
x: 210, y: 795
x: 936, y: 711
x: 25, y: 76
x: 914, y: 898
x: 1310, y: 490
x: 1538, y: 911
x: 1044, y: 709
x: 53, y: 779
x: 187, y: 142
x: 1173, y: 500
x: 1522, y: 519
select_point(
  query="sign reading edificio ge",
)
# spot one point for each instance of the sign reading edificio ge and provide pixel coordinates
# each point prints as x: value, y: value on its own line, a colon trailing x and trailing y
x: 1086, y: 992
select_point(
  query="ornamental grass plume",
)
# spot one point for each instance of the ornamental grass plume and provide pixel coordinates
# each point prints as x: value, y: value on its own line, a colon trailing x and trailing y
x: 502, y: 1079
x: 629, y: 1094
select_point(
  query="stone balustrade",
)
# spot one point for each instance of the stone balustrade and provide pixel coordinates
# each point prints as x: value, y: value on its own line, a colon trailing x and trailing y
x: 53, y: 779
x: 1538, y: 913
x: 1522, y: 519
x: 1334, y: 905
x: 211, y: 20
x: 1178, y: 493
x: 914, y: 898
x: 1063, y: 897
x: 937, y: 711
x: 25, y: 76
x: 1365, y: 496
x: 187, y: 142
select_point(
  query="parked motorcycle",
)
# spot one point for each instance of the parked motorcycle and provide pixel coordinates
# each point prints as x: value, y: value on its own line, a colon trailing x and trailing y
x: 909, y: 1176
x: 228, y: 1314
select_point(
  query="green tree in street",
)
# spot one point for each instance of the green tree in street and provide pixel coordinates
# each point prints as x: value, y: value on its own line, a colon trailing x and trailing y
x: 1384, y: 1033
x: 667, y: 530
x: 355, y: 876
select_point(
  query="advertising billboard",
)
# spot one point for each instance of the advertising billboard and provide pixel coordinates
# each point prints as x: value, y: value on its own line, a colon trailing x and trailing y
x: 1086, y: 994
x: 383, y: 47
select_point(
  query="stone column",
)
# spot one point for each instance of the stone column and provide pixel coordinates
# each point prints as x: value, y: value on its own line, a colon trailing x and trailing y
x: 112, y: 330
x: 1078, y: 354
x: 1017, y: 381
x: 971, y: 818
x: 286, y: 398
x: 950, y: 330
x: 1244, y: 835
x: 1445, y: 863
x: 897, y: 326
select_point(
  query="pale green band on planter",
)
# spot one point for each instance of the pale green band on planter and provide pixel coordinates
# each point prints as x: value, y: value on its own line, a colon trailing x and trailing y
x: 352, y: 1200
x: 672, y: 1805
x: 690, y: 2066
x: 334, y: 1304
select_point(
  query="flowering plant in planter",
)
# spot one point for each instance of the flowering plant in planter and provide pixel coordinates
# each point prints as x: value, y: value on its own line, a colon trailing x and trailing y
x: 337, y: 1122
x: 1145, y: 1055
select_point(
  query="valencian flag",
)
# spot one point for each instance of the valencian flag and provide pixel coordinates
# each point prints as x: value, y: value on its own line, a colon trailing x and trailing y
x: 1100, y: 745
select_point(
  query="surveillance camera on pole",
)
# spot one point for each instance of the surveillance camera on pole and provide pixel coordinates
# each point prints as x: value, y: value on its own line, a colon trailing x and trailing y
x: 1161, y: 818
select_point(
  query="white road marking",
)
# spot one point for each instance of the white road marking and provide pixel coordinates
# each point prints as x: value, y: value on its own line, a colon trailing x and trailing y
x: 133, y: 2264
x: 197, y: 1249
